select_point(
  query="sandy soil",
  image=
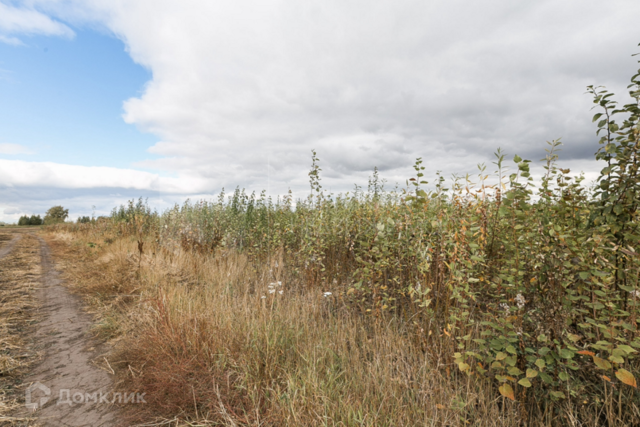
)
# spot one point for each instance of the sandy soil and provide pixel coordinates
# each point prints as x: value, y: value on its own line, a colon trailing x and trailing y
x: 64, y: 339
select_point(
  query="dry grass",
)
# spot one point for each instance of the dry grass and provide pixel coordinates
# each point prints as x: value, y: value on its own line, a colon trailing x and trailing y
x: 19, y: 274
x: 209, y: 345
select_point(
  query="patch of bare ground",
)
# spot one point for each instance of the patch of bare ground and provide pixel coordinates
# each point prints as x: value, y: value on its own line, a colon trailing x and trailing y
x: 64, y: 382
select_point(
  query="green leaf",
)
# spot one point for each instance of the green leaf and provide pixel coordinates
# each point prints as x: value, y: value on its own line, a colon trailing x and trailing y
x: 517, y: 159
x: 566, y: 353
x: 627, y: 349
x: 514, y: 371
x: 563, y: 376
x: 531, y: 373
x: 546, y: 378
x: 540, y: 363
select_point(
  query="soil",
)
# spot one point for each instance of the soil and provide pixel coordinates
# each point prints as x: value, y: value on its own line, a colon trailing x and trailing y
x: 68, y: 350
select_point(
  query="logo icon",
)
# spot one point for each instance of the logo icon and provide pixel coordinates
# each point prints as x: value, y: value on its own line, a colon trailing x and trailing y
x: 32, y: 388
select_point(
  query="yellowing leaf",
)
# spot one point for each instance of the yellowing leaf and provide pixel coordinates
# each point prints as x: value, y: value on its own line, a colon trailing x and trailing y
x: 574, y: 337
x: 587, y: 352
x: 525, y: 382
x: 606, y: 378
x: 532, y: 373
x: 507, y: 391
x: 439, y: 406
x: 616, y: 359
x: 626, y: 377
x: 514, y: 371
x: 463, y: 367
x: 501, y: 356
x: 601, y: 363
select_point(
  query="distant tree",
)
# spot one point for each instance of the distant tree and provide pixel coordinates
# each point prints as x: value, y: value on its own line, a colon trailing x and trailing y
x: 56, y: 215
x: 24, y: 220
x: 35, y: 220
x: 84, y: 219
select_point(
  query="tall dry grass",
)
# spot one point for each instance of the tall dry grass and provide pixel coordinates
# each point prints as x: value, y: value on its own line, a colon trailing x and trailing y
x: 19, y: 281
x: 209, y: 344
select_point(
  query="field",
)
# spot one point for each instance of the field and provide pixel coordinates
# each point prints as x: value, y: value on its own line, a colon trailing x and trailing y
x: 479, y: 304
x: 502, y: 301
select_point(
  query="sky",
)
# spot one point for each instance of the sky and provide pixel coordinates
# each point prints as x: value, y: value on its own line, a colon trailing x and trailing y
x: 102, y: 101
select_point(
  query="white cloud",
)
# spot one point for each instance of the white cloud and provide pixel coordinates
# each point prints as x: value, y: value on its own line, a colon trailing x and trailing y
x: 27, y: 21
x: 8, y: 148
x: 16, y: 173
x: 242, y: 90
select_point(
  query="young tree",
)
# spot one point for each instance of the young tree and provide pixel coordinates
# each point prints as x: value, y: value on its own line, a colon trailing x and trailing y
x: 56, y: 215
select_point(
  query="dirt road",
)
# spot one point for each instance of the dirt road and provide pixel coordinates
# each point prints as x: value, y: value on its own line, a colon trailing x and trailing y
x: 66, y: 388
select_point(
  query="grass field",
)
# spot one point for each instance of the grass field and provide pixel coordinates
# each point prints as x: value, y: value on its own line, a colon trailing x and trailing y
x: 479, y: 304
x: 494, y: 301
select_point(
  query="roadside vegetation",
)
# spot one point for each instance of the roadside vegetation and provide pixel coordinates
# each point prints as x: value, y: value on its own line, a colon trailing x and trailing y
x: 498, y: 301
x: 19, y: 281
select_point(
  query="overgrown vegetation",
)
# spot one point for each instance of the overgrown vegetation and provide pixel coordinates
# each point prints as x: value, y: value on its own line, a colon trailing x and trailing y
x: 497, y: 302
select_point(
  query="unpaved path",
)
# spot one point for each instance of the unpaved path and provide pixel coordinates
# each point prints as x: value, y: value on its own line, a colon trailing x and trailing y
x: 66, y: 369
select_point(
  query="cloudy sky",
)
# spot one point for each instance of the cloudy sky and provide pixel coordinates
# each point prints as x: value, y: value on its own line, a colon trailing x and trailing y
x: 105, y: 100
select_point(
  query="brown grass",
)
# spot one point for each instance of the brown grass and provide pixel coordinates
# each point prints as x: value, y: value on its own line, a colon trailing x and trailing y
x: 196, y: 335
x: 19, y: 275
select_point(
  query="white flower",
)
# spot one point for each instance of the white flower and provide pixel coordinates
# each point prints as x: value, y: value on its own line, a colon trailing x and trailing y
x: 505, y: 307
x: 520, y: 301
x: 326, y: 294
x: 272, y: 291
x: 263, y: 297
x: 280, y: 292
x: 635, y: 294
